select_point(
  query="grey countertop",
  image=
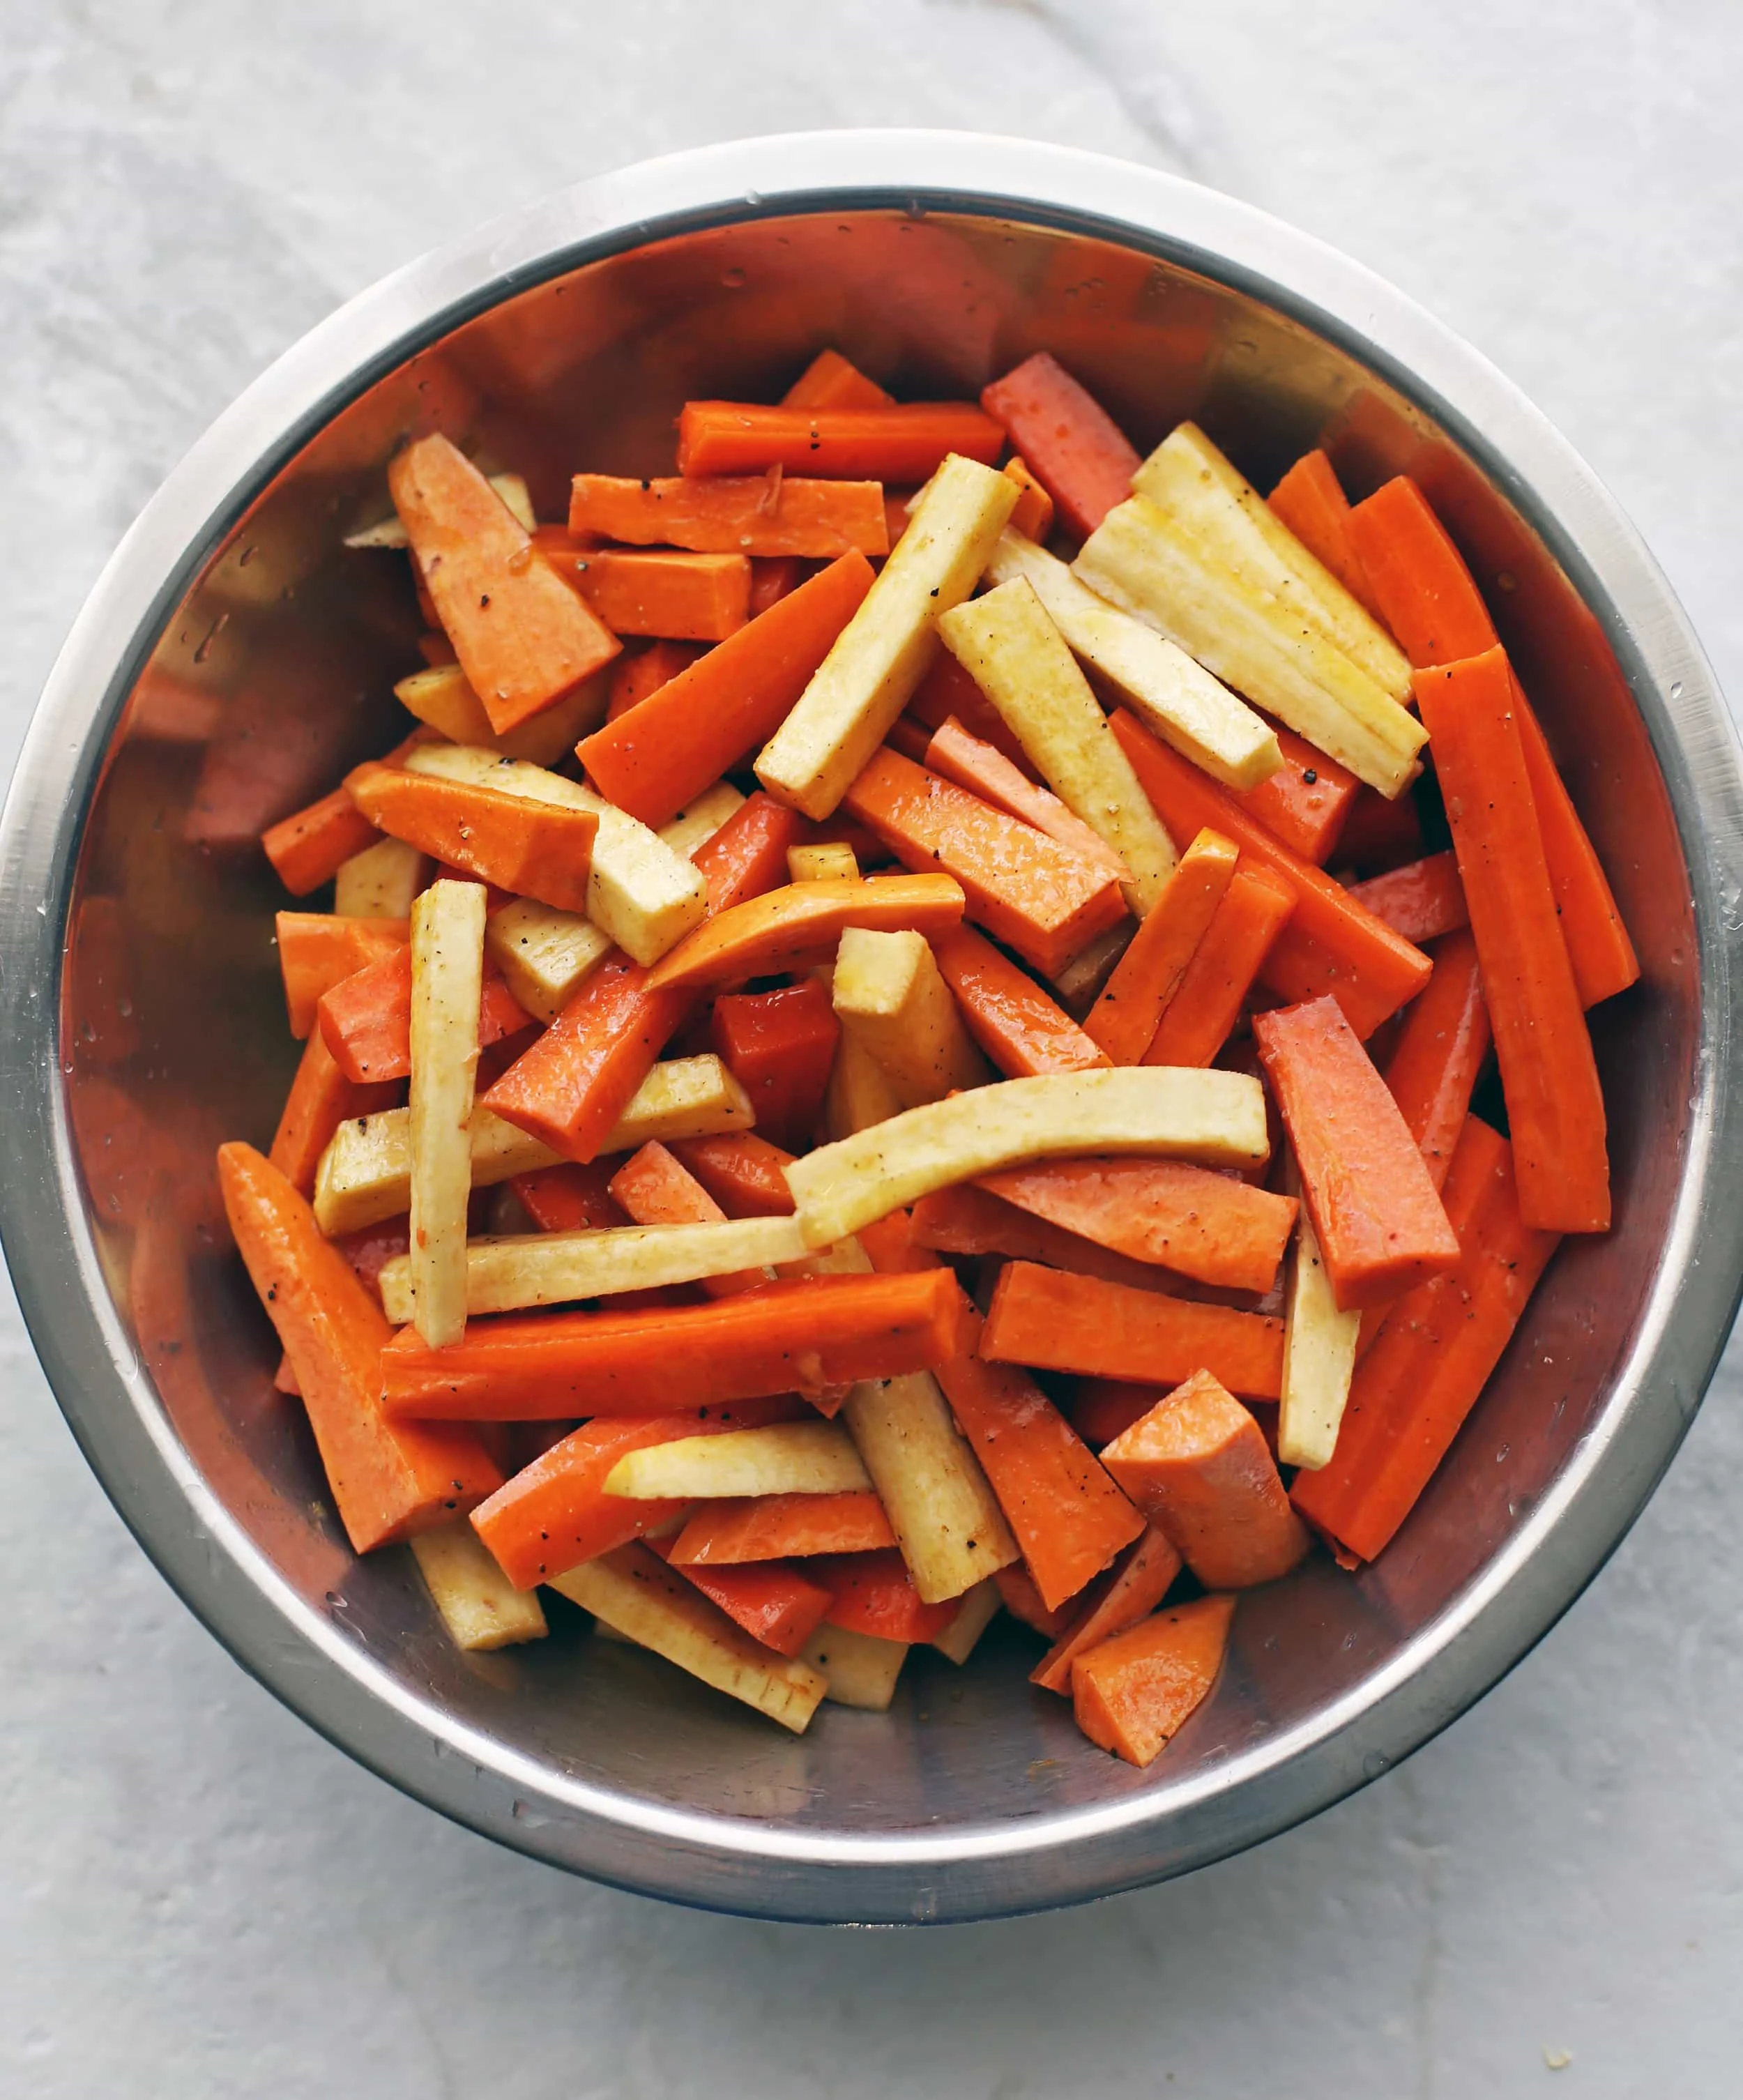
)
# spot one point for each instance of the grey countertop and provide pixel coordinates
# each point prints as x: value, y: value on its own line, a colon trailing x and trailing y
x: 197, y: 1896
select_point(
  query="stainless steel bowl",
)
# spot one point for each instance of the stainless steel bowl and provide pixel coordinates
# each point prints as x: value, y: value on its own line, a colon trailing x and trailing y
x: 232, y: 659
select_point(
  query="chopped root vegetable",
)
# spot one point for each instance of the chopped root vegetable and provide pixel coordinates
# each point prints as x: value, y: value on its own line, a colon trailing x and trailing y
x: 793, y: 928
x: 322, y: 1097
x: 781, y: 1046
x: 1306, y: 804
x: 1319, y: 1357
x: 1443, y: 1047
x: 788, y: 1527
x: 890, y: 995
x: 1129, y: 1593
x: 1254, y: 910
x: 984, y: 770
x: 775, y: 1605
x: 310, y: 847
x: 831, y: 380
x: 676, y: 596
x: 1311, y: 502
x: 860, y: 1670
x: 1070, y: 442
x: 744, y: 1174
x: 533, y: 848
x: 380, y: 882
x: 1132, y: 1693
x: 734, y: 514
x: 873, y: 1593
x: 448, y: 960
x: 318, y: 950
x: 1125, y: 1016
x: 1200, y: 1468
x: 442, y: 696
x: 787, y: 1458
x: 1419, y: 579
x: 974, y: 1613
x: 861, y: 1092
x: 1023, y: 1031
x: 480, y: 1607
x: 1422, y: 900
x: 366, y: 1021
x: 1034, y: 514
x: 894, y: 444
x: 831, y: 861
x: 968, y: 1218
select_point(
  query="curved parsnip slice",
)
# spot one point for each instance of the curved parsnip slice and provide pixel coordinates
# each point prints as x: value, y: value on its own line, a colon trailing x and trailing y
x: 1140, y: 558
x: 479, y: 1606
x: 860, y: 1670
x: 1018, y: 658
x: 1169, y: 691
x: 1217, y: 1118
x: 634, y: 1592
x: 785, y: 1458
x: 380, y: 882
x: 642, y: 891
x: 889, y: 992
x: 885, y: 649
x: 802, y: 923
x: 443, y: 697
x: 447, y: 971
x: 1319, y: 1357
x: 1220, y: 509
x: 509, y: 1274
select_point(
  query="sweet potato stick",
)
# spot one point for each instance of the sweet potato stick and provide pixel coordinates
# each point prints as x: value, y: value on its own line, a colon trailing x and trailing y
x: 1125, y: 1018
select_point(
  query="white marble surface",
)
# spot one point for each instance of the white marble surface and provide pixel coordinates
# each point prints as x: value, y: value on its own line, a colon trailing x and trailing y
x: 197, y: 1896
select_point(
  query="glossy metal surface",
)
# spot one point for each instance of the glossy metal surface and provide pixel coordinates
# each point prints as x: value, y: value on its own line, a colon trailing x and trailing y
x: 258, y: 654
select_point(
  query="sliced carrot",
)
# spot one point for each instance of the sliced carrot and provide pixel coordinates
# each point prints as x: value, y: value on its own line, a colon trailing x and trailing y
x: 524, y: 638
x: 1413, y: 1389
x: 532, y: 849
x: 1422, y: 900
x: 965, y: 760
x: 1046, y: 902
x: 1255, y: 909
x: 801, y: 924
x: 1019, y: 1597
x: 830, y: 381
x: 873, y: 1593
x: 1419, y: 579
x: 682, y: 737
x: 1380, y: 835
x: 772, y: 577
x: 734, y: 515
x: 775, y: 1605
x: 317, y: 950
x: 969, y: 1219
x: 1064, y: 1511
x: 754, y: 1527
x: 808, y: 1335
x: 1548, y: 1074
x: 1311, y: 502
x: 321, y: 1097
x: 675, y: 594
x: 743, y: 1173
x: 1075, y: 1323
x: 1135, y: 1692
x: 1072, y: 446
x: 948, y: 693
x: 1440, y: 1053
x: 570, y: 1198
x: 655, y: 1188
x: 907, y: 441
x: 1198, y: 1467
x: 1125, y: 1016
x: 389, y: 1479
x: 1019, y: 1026
x: 366, y: 1019
x: 1129, y: 1593
x: 308, y: 848
x: 1034, y: 514
x: 1306, y: 803
x: 781, y: 1046
x: 1103, y: 1409
x: 1211, y: 1227
x: 1330, y: 944
x: 640, y: 673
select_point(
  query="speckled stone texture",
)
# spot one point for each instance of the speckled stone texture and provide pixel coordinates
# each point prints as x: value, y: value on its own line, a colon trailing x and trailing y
x: 197, y: 1896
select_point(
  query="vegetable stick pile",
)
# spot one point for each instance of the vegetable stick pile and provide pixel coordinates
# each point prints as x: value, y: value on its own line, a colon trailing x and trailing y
x: 896, y: 1043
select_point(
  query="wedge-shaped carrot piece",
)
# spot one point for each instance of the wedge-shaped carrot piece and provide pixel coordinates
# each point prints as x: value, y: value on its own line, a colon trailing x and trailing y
x: 744, y: 1174
x: 1311, y: 502
x: 533, y: 848
x: 1127, y: 1594
x: 1331, y: 944
x: 524, y: 638
x: 1034, y: 514
x: 665, y: 752
x: 1413, y: 1389
x: 794, y: 927
x: 983, y: 769
x: 1207, y: 1226
x: 734, y: 514
x: 309, y: 847
x: 366, y: 1019
x: 781, y: 1046
x: 873, y: 1593
x: 724, y: 1534
x: 1554, y: 1102
x: 906, y: 442
x: 676, y: 596
x: 1306, y: 803
x: 806, y: 1336
x: 1075, y: 1323
x: 774, y: 1604
x: 1135, y: 1692
x: 1125, y: 1017
x: 1068, y: 440
x: 389, y: 1479
x: 968, y: 1218
x: 1200, y: 1468
x: 831, y: 380
x: 1442, y: 1048
x: 318, y: 950
x: 1255, y: 909
x: 1020, y: 1028
x: 1378, y: 1219
x: 321, y: 1097
x: 1422, y: 900
x: 1043, y: 900
x: 1066, y: 1512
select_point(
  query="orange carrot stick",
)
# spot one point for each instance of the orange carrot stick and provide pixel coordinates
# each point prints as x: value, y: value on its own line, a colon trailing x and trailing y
x: 801, y: 924
x: 1378, y: 835
x: 1330, y: 944
x: 1425, y: 592
x: 1440, y: 1053
x: 321, y: 1097
x: 735, y: 1530
x: 873, y: 1593
x: 1198, y: 1467
x: 1027, y: 891
x: 654, y: 1188
x: 772, y: 577
x: 639, y: 672
x: 1072, y: 446
x: 1034, y: 514
x: 570, y: 1198
x: 1255, y: 909
x: 309, y: 847
x: 1135, y: 1692
x: 682, y: 737
x: 906, y: 443
x: 1075, y: 1323
x: 1130, y: 1593
x: 1064, y: 1510
x: 831, y: 381
x: 743, y: 1172
x: 678, y: 596
x: 983, y: 769
x: 734, y: 515
x: 389, y: 1479
x: 970, y: 1219
x: 781, y: 1046
x: 1422, y: 900
x: 1019, y: 1026
x: 317, y: 950
x: 808, y: 1335
x: 948, y: 693
x: 1311, y: 502
x: 366, y: 1018
x: 523, y: 639
x: 1125, y: 1018
x: 1211, y: 1227
x: 530, y: 849
x: 774, y: 1604
x: 1554, y: 1103
x: 1306, y: 803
